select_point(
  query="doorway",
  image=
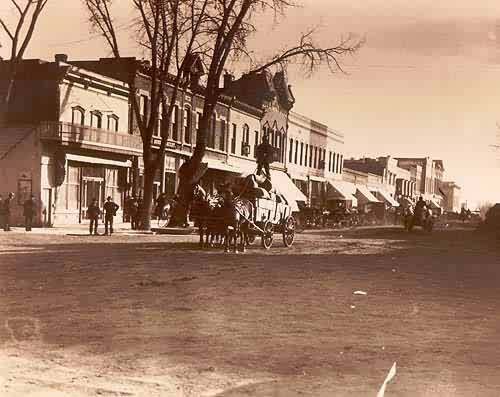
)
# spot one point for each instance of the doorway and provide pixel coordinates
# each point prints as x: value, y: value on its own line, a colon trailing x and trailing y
x: 93, y: 188
x: 47, y: 207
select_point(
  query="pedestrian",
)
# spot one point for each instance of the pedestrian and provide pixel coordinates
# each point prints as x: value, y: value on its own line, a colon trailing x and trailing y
x: 133, y: 209
x: 29, y: 212
x: 6, y: 212
x: 110, y: 208
x: 93, y: 213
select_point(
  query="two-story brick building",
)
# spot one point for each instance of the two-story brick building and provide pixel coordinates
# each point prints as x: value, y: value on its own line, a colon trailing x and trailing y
x: 66, y: 140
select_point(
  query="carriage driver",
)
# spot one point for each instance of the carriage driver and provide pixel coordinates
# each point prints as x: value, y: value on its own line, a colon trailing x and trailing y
x: 264, y: 154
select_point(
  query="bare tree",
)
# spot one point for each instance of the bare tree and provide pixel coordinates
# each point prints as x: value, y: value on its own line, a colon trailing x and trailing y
x: 167, y: 30
x: 217, y: 31
x: 20, y: 36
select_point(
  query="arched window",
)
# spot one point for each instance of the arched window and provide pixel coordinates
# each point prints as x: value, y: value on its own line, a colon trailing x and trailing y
x: 78, y: 115
x: 187, y: 124
x: 113, y: 122
x: 96, y: 119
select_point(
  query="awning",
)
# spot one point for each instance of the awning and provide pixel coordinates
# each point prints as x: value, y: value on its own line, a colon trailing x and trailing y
x: 364, y: 195
x: 97, y: 160
x: 284, y: 185
x: 387, y: 198
x: 342, y: 190
x: 220, y: 166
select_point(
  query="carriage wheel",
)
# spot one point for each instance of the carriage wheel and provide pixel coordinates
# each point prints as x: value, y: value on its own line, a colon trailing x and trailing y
x: 267, y: 236
x: 165, y: 216
x: 289, y: 231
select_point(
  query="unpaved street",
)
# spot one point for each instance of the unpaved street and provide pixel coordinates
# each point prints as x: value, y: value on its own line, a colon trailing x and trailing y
x: 155, y: 316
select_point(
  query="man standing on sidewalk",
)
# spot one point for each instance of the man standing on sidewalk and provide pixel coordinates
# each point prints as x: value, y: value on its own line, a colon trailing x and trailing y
x: 93, y: 213
x: 29, y: 212
x: 6, y: 212
x: 110, y: 208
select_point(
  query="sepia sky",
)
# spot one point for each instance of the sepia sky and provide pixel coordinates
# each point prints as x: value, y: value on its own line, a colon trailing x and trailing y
x: 427, y: 81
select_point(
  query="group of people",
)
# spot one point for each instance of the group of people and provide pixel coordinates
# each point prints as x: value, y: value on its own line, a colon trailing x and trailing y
x: 93, y: 213
x: 6, y: 207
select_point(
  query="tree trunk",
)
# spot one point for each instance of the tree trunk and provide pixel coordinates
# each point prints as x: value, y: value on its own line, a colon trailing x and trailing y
x: 147, y: 199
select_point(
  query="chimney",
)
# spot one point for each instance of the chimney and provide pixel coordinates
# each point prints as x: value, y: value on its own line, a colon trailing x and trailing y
x: 61, y: 58
x: 228, y: 79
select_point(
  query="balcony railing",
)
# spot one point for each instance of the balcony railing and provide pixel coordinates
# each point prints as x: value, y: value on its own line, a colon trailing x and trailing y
x: 67, y: 132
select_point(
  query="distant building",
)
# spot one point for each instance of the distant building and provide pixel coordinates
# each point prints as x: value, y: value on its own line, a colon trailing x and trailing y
x: 452, y: 196
x: 428, y: 175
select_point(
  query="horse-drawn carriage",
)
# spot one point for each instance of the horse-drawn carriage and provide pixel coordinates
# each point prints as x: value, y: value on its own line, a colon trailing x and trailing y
x: 245, y: 212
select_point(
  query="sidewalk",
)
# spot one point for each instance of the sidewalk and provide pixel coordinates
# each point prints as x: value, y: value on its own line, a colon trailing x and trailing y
x: 83, y: 229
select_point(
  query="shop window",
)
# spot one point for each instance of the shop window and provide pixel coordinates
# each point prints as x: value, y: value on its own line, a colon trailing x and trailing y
x: 73, y: 187
x: 113, y: 123
x: 96, y: 119
x: 78, y: 115
x: 187, y: 124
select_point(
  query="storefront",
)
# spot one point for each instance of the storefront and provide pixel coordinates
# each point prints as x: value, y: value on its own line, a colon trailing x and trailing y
x: 88, y: 178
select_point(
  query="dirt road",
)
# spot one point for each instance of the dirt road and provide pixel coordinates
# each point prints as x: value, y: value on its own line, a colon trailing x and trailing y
x: 155, y: 316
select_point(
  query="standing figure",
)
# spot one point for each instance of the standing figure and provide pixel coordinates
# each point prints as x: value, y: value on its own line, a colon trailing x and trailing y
x: 264, y: 154
x: 93, y: 213
x: 29, y: 212
x: 110, y: 208
x: 132, y: 211
x: 6, y: 212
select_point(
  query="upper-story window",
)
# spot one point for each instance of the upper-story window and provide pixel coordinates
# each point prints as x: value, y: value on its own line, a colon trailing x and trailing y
x: 96, y: 119
x: 143, y: 105
x: 211, y: 132
x: 159, y: 122
x: 197, y: 129
x: 78, y: 115
x: 341, y: 163
x: 295, y: 160
x: 113, y: 122
x: 222, y: 137
x: 245, y: 139
x: 310, y: 156
x: 305, y: 154
x: 278, y: 145
x: 175, y: 123
x: 301, y: 152
x: 256, y: 143
x: 290, y: 151
x: 187, y: 124
x: 233, y: 139
x: 315, y: 157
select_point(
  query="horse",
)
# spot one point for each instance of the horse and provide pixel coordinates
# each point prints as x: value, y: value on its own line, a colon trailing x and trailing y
x: 237, y: 214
